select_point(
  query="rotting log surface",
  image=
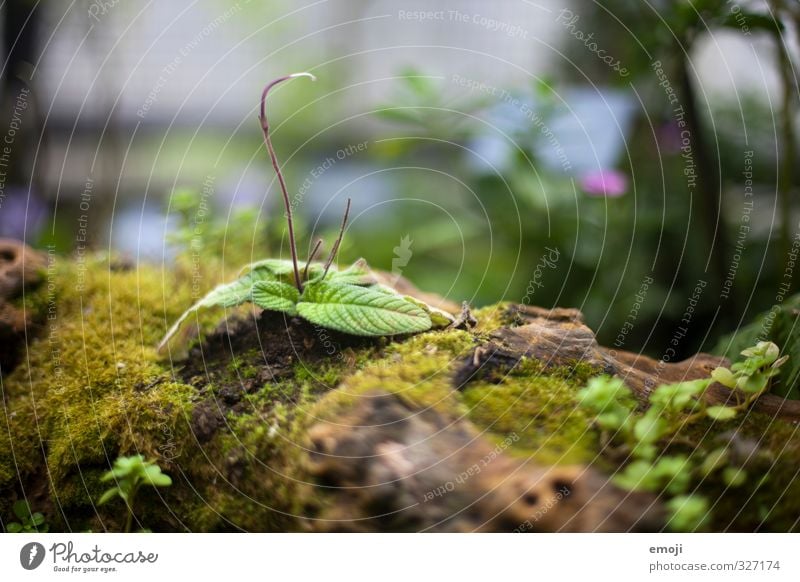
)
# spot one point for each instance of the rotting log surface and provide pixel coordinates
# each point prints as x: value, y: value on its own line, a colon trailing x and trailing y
x: 263, y: 429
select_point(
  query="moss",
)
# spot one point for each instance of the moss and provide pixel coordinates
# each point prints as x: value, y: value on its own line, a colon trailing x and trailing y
x: 419, y: 370
x: 92, y: 387
x: 539, y: 412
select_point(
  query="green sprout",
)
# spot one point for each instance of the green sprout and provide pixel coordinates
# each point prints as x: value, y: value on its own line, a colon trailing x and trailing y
x: 350, y: 301
x: 751, y: 377
x: 29, y: 522
x: 129, y: 474
x: 642, y: 436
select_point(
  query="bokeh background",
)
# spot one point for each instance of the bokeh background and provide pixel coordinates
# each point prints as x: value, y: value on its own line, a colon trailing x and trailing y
x: 636, y: 160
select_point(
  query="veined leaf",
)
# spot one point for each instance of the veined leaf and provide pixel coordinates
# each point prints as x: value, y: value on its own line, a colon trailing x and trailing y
x: 225, y: 295
x: 360, y: 310
x: 283, y: 268
x: 439, y: 317
x: 276, y: 296
x: 356, y: 274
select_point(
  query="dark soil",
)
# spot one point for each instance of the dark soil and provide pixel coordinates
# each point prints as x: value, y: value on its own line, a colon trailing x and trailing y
x: 245, y: 354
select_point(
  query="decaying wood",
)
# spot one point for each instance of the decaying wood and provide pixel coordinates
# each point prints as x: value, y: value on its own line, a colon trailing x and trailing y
x: 559, y: 337
x: 21, y: 267
x: 387, y: 466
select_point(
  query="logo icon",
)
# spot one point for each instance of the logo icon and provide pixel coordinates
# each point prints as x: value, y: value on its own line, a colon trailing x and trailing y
x: 31, y: 555
x: 402, y: 256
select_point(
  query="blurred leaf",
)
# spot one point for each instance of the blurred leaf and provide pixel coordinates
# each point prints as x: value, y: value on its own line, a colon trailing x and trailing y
x: 721, y: 412
x: 22, y: 510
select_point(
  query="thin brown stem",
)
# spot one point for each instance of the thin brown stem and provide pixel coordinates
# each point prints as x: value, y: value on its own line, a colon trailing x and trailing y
x: 335, y: 248
x: 311, y: 257
x: 265, y: 130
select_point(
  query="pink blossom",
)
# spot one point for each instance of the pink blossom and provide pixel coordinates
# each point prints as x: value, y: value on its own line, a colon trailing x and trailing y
x: 610, y: 183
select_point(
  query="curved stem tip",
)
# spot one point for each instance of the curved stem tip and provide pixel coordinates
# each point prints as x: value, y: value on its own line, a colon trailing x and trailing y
x: 287, y: 203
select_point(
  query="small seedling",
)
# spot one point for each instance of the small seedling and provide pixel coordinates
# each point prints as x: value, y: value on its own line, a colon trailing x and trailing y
x: 129, y: 474
x: 350, y: 301
x: 642, y: 437
x: 29, y: 522
x: 752, y: 377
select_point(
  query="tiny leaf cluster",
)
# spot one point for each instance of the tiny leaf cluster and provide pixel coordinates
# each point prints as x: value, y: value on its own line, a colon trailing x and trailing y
x: 128, y: 475
x: 642, y: 436
x: 29, y: 521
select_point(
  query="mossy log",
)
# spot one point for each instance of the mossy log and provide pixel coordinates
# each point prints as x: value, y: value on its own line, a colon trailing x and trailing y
x: 273, y: 424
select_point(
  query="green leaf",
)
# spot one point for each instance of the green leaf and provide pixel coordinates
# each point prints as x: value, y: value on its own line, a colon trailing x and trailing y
x: 644, y: 451
x: 673, y: 472
x: 225, y: 295
x: 688, y: 512
x: 156, y: 478
x: 360, y: 310
x: 14, y: 527
x: 716, y: 459
x: 613, y: 420
x: 108, y: 496
x: 676, y: 397
x: 37, y: 519
x: 356, y: 274
x: 780, y: 362
x: 721, y: 412
x: 635, y: 476
x: 604, y: 391
x: 724, y: 376
x: 734, y: 476
x: 274, y: 266
x: 439, y: 318
x: 650, y: 427
x: 284, y: 269
x: 752, y: 383
x: 22, y: 510
x: 276, y: 296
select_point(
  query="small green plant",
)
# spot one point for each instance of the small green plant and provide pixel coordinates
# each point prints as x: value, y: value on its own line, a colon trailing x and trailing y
x: 351, y: 301
x: 751, y: 376
x: 129, y: 474
x: 29, y: 522
x: 641, y: 437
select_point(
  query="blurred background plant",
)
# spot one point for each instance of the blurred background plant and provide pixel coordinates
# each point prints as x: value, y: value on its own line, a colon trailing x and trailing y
x: 634, y: 160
